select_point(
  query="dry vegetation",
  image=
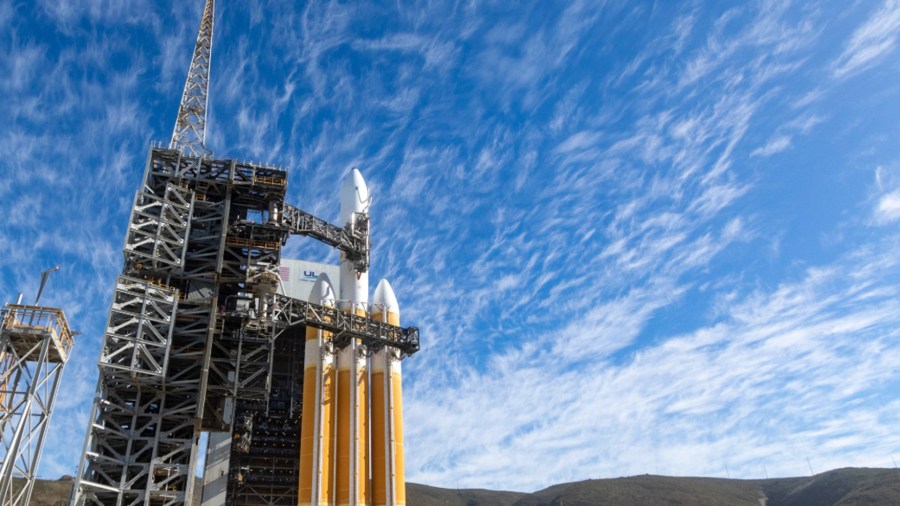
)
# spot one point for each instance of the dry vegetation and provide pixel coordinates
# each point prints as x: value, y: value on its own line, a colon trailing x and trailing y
x: 841, y: 487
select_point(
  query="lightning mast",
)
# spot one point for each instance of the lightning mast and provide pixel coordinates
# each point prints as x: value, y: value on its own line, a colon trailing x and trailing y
x: 189, y: 135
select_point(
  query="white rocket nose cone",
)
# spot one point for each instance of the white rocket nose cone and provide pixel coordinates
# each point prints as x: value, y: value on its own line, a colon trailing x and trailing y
x: 384, y: 298
x: 321, y: 292
x: 354, y: 195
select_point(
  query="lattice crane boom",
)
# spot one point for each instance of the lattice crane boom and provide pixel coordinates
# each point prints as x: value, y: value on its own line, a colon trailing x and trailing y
x: 189, y: 135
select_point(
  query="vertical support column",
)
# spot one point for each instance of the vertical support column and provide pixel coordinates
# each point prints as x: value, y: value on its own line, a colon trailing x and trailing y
x: 213, y: 332
x: 215, y: 476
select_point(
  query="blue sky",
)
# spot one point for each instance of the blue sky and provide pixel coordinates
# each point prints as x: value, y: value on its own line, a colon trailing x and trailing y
x: 637, y: 237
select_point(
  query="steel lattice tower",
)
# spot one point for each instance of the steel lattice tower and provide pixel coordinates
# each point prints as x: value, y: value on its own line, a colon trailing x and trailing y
x: 35, y: 343
x: 189, y: 135
x: 198, y: 339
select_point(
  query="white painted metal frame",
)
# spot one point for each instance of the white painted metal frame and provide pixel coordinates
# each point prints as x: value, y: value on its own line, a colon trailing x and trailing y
x: 35, y: 343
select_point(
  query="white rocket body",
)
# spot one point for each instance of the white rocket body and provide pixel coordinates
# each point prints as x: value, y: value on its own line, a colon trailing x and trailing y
x: 354, y: 285
x: 352, y: 385
x: 317, y: 426
x: 388, y: 480
x: 352, y: 428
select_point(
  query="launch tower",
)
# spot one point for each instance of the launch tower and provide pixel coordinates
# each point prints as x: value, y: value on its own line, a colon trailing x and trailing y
x: 35, y: 343
x: 199, y: 339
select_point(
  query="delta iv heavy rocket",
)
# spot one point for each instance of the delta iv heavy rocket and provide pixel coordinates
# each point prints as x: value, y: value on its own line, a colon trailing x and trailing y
x: 351, y: 449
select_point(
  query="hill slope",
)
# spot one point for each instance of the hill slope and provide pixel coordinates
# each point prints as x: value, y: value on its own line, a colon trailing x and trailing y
x: 841, y: 487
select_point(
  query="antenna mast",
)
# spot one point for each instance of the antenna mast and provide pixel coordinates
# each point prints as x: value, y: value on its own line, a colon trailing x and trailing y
x: 190, y: 125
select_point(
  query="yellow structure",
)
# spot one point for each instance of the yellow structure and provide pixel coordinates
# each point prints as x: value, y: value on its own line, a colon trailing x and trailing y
x: 352, y: 426
x: 317, y: 427
x: 351, y: 442
x: 388, y: 480
x: 339, y: 463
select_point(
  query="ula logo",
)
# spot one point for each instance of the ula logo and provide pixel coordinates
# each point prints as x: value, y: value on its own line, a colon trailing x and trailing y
x: 310, y: 275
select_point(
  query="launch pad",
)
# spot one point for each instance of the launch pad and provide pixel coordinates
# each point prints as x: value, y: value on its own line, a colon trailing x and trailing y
x: 199, y: 340
x: 202, y: 339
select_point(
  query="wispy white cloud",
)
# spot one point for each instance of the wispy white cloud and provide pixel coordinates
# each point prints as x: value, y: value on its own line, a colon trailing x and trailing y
x: 663, y: 179
x: 436, y: 53
x: 6, y: 13
x: 888, y: 208
x: 875, y: 39
x: 567, y: 202
x: 755, y: 388
x: 775, y: 145
x: 886, y: 195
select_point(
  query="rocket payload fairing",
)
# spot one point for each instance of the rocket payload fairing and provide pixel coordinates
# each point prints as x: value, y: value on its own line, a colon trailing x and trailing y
x: 344, y: 460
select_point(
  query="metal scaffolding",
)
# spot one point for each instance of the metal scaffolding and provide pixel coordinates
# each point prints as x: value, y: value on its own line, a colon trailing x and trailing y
x: 198, y: 336
x: 35, y: 343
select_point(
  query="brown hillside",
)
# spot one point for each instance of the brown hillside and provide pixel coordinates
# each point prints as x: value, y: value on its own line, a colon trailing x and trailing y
x: 648, y: 490
x: 433, y: 496
x: 841, y: 487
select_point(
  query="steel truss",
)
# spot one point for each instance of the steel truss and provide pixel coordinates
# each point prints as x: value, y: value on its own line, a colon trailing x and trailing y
x: 345, y: 326
x: 194, y: 331
x: 195, y: 320
x: 35, y: 343
x: 190, y: 124
x: 195, y: 325
x: 352, y: 239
